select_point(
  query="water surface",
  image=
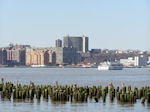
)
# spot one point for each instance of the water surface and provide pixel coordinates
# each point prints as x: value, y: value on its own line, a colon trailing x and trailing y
x: 81, y: 76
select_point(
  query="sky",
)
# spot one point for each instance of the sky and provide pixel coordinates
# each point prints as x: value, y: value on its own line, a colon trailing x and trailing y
x: 112, y: 24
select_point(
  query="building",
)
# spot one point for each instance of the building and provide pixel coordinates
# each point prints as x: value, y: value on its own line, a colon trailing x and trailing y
x: 70, y: 56
x: 34, y: 57
x: 1, y: 56
x: 65, y: 55
x: 51, y: 56
x: 137, y: 61
x: 21, y: 46
x: 119, y: 52
x: 140, y: 61
x: 4, y: 56
x: 148, y: 60
x: 127, y: 62
x: 80, y: 43
x: 95, y: 51
x: 73, y: 42
x: 85, y: 44
x: 58, y: 43
x: 14, y: 56
x: 105, y: 51
x: 22, y: 56
x: 58, y: 54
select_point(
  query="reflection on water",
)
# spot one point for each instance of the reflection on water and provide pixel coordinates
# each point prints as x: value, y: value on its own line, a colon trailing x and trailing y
x: 91, y: 76
x: 91, y: 106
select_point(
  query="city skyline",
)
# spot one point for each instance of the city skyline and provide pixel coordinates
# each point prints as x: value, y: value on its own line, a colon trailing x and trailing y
x: 54, y: 45
x: 108, y: 24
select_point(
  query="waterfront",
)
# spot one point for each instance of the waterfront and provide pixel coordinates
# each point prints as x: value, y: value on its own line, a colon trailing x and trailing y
x: 80, y: 76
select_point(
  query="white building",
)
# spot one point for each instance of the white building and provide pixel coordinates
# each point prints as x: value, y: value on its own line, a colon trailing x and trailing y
x: 148, y: 60
x: 127, y: 62
x: 137, y: 61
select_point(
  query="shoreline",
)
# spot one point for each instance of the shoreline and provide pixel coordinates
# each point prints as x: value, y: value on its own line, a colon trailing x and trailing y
x: 60, y: 67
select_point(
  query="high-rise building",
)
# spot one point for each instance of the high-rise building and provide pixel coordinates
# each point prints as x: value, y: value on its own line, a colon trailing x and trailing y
x: 58, y: 43
x: 85, y: 44
x: 80, y: 43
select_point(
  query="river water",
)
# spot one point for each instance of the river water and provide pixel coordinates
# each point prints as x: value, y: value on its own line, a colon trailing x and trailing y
x: 81, y: 76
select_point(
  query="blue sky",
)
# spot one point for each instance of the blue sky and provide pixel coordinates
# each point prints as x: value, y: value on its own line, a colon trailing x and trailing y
x: 112, y: 24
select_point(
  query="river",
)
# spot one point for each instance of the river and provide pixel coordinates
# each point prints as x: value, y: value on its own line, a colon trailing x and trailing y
x: 81, y: 76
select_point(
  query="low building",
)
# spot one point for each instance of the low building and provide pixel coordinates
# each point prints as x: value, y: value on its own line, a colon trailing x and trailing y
x: 119, y: 52
x: 34, y: 57
x: 127, y: 62
x: 95, y: 51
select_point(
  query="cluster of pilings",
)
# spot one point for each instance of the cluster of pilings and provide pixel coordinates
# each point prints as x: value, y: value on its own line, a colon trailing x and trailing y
x: 74, y: 93
x: 126, y: 95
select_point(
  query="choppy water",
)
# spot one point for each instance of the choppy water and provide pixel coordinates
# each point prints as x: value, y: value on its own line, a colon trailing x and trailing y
x: 81, y: 76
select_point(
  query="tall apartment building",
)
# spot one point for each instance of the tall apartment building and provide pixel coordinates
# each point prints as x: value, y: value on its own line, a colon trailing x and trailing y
x: 85, y: 41
x: 80, y: 43
x: 58, y: 43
